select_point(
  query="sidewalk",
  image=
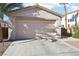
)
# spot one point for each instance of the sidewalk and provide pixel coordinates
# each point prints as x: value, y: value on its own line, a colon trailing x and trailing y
x: 72, y: 41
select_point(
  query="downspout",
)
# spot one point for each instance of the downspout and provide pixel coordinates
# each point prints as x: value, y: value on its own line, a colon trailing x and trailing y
x: 14, y: 28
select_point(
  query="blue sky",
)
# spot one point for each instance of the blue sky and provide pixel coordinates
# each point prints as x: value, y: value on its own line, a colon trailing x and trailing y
x: 58, y: 8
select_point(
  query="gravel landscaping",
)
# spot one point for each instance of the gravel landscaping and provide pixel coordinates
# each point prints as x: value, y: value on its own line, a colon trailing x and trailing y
x: 4, y: 46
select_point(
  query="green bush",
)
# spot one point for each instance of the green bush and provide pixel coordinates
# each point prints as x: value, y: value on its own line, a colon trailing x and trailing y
x: 76, y: 32
x: 76, y: 35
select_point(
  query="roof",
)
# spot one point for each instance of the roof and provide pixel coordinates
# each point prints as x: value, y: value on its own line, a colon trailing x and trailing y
x: 40, y: 7
x: 72, y: 12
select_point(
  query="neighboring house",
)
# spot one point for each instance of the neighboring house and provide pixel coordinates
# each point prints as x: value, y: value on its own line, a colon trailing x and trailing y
x: 29, y: 20
x: 72, y: 18
x: 1, y: 23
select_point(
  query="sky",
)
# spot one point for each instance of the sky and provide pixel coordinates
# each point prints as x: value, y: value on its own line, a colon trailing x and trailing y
x: 53, y: 6
x: 56, y: 7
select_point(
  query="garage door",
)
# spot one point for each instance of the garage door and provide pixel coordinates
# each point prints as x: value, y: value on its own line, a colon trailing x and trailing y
x: 28, y: 28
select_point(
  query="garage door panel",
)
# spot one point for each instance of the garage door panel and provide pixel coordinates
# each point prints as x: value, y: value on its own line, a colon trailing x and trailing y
x: 28, y: 29
x: 22, y: 31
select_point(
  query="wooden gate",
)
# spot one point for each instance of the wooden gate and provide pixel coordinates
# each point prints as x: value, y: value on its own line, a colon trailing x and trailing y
x: 1, y: 34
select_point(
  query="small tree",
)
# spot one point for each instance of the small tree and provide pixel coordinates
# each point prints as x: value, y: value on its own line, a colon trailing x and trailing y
x: 76, y: 31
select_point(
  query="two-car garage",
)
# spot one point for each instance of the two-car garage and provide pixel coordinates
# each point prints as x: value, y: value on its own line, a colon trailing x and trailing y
x: 30, y: 20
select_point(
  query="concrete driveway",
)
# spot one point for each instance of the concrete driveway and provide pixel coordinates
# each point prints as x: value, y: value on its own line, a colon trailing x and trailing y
x: 40, y: 48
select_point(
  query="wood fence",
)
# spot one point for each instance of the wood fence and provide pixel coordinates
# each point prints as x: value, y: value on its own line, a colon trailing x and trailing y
x: 3, y: 33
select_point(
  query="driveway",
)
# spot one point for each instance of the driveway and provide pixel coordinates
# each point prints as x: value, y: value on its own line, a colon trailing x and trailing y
x: 40, y: 48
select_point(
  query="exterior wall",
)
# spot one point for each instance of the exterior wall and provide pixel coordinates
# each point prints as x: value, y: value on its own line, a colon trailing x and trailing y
x: 10, y: 35
x: 69, y: 16
x: 12, y: 28
x: 1, y: 23
x: 58, y: 26
x: 36, y: 13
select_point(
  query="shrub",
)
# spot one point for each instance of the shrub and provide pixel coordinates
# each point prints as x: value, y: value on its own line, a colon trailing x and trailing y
x: 76, y: 32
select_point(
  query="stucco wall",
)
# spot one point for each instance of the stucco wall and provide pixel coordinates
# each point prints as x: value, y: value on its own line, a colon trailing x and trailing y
x: 12, y: 28
x: 35, y: 12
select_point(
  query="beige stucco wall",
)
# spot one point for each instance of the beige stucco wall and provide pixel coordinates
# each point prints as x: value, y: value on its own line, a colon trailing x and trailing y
x: 35, y: 12
x: 12, y: 28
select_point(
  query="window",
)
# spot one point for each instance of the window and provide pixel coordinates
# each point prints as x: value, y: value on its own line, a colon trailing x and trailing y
x: 73, y: 18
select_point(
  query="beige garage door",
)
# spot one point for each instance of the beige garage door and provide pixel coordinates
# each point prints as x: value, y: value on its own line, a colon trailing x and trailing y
x: 28, y: 28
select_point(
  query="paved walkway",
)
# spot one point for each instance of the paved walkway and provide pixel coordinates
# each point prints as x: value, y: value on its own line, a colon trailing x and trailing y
x: 40, y: 48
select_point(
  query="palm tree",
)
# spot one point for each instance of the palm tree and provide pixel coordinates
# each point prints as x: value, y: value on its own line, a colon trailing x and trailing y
x: 5, y: 7
x: 65, y: 10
